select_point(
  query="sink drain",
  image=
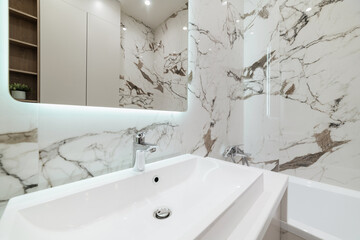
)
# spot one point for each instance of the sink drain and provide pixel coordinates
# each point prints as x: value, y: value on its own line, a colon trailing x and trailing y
x: 162, y: 213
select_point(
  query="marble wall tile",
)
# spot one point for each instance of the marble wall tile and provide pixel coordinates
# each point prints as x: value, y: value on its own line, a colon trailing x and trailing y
x: 314, y: 48
x: 19, y: 168
x: 320, y: 73
x: 261, y: 83
x: 154, y: 63
x: 171, y: 61
x: 93, y: 154
x: 18, y: 163
x: 137, y: 74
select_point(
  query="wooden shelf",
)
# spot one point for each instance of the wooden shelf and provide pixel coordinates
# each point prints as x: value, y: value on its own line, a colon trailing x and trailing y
x: 22, y: 14
x: 22, y: 43
x: 24, y: 46
x: 23, y: 72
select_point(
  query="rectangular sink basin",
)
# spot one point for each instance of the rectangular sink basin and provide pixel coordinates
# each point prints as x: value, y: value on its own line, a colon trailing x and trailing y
x: 121, y: 205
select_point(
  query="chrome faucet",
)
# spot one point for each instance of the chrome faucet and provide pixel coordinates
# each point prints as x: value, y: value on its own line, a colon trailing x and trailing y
x: 140, y: 148
x: 234, y: 151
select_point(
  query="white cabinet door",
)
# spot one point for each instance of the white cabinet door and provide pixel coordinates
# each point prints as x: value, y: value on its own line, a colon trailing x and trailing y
x: 103, y: 65
x: 63, y: 53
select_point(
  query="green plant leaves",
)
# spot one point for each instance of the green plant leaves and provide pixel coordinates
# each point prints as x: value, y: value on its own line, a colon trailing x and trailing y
x: 19, y: 87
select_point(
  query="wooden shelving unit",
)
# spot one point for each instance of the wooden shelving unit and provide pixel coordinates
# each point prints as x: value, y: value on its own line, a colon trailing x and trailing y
x: 22, y: 14
x: 24, y: 45
x: 21, y: 71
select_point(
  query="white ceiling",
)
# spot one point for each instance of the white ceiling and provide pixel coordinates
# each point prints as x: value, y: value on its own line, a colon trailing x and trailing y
x: 153, y: 15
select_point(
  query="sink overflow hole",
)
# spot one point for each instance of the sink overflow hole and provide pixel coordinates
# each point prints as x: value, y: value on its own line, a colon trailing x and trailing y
x: 162, y: 213
x: 156, y: 179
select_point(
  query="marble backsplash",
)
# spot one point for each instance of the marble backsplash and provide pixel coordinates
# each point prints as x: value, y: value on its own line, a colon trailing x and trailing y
x: 18, y: 163
x: 267, y: 75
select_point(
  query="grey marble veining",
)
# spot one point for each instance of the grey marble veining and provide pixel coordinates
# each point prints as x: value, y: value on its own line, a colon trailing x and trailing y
x: 154, y: 63
x: 18, y: 164
x: 94, y: 154
x: 307, y: 84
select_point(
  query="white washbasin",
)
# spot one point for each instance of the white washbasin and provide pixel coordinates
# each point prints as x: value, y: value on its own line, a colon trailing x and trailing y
x: 121, y: 205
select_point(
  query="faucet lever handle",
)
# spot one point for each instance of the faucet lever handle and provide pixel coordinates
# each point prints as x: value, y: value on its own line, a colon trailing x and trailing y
x: 233, y: 151
x: 140, y: 138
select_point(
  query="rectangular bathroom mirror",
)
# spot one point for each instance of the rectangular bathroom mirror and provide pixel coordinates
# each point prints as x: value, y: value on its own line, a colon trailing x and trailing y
x: 107, y: 53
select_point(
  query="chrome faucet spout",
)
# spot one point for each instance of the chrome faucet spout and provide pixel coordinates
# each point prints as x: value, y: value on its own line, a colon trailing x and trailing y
x: 234, y: 151
x: 140, y: 147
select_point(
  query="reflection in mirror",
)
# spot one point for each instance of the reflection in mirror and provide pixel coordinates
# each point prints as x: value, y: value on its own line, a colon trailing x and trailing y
x: 109, y: 53
x: 154, y: 54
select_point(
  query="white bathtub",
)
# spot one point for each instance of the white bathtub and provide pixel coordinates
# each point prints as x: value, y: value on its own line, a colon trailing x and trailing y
x: 321, y: 211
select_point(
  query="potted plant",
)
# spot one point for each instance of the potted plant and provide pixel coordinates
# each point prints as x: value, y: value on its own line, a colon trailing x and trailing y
x: 18, y: 90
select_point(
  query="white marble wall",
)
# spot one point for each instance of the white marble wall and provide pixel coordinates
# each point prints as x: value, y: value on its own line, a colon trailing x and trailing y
x: 154, y: 63
x: 303, y: 111
x: 171, y: 61
x: 76, y: 142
